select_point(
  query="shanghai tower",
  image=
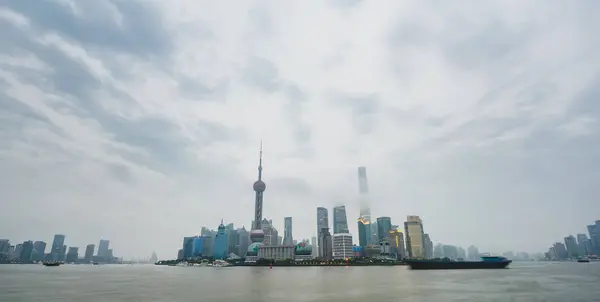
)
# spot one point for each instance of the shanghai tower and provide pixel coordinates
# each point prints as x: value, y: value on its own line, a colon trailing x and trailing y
x: 364, y: 220
x: 363, y: 190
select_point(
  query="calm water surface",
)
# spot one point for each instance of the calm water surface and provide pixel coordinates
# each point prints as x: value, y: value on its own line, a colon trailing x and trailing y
x: 522, y: 282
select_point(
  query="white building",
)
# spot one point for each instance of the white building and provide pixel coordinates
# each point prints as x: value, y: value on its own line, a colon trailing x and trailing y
x: 276, y: 252
x: 342, y: 246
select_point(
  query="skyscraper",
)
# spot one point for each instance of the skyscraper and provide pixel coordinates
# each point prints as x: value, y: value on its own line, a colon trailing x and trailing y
x: 364, y: 220
x: 364, y: 232
x: 26, y: 251
x: 325, y: 244
x: 384, y: 226
x: 363, y: 190
x: 322, y: 219
x: 413, y: 229
x: 571, y: 245
x: 428, y: 248
x: 340, y: 222
x: 103, y: 249
x: 196, y: 247
x: 39, y: 250
x: 396, y: 239
x: 584, y: 244
x: 594, y: 230
x: 342, y: 246
x: 89, y: 253
x: 243, y: 239
x: 472, y: 253
x: 73, y: 254
x: 287, y: 231
x: 257, y: 234
x: 322, y: 225
x: 188, y: 247
x: 220, y: 248
x: 57, y: 246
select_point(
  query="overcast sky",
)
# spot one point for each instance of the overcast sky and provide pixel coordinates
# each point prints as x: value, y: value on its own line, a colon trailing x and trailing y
x: 140, y: 121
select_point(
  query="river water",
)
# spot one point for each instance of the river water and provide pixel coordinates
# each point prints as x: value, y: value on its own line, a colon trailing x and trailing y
x: 527, y: 281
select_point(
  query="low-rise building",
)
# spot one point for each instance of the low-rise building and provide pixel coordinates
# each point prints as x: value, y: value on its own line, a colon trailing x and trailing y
x: 276, y: 252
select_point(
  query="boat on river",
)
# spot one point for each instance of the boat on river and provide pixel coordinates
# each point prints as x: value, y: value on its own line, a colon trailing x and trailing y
x: 51, y: 263
x: 583, y: 260
x: 488, y: 262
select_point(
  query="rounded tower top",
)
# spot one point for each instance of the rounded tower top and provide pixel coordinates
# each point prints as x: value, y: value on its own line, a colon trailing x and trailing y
x: 260, y: 186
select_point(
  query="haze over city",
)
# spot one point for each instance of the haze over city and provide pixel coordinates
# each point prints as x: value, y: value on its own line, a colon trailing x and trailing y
x: 141, y: 121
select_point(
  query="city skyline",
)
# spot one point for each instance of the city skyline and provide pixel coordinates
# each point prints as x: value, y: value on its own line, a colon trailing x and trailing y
x: 482, y: 120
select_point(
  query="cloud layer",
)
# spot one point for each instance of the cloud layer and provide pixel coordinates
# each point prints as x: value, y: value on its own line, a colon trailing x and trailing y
x: 140, y: 121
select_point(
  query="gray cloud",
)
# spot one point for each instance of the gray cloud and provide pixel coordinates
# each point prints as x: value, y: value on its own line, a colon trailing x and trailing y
x: 129, y: 115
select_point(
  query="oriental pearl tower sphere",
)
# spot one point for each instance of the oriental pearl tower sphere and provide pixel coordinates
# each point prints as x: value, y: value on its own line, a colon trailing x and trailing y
x: 256, y: 234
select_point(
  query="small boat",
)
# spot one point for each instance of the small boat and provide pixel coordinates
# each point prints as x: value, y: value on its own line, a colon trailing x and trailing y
x: 488, y: 262
x: 583, y: 260
x: 53, y: 263
x: 220, y: 263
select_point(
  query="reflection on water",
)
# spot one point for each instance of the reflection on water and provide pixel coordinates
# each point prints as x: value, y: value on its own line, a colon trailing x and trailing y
x: 522, y: 282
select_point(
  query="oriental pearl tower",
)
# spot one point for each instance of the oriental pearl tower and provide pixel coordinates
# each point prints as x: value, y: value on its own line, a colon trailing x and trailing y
x: 256, y: 234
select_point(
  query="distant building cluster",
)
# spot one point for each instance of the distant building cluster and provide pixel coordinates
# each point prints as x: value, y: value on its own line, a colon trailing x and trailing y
x: 378, y: 238
x: 30, y: 252
x: 577, y: 247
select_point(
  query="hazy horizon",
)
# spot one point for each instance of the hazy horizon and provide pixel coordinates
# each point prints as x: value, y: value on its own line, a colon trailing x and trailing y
x: 140, y: 121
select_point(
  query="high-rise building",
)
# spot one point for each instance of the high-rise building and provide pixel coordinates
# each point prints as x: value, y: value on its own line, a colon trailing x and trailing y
x: 322, y: 219
x: 340, y: 222
x: 188, y: 246
x: 270, y: 233
x: 257, y: 235
x: 594, y: 230
x: 244, y: 240
x: 207, y: 246
x: 342, y: 246
x: 396, y: 240
x: 89, y: 253
x: 450, y: 251
x: 288, y: 239
x: 233, y: 239
x: 571, y: 245
x: 196, y: 247
x: 322, y: 225
x: 57, y: 246
x: 63, y: 253
x: 4, y: 246
x: 103, y: 249
x: 413, y: 229
x: 364, y: 232
x: 472, y: 253
x: 428, y: 247
x: 325, y: 244
x: 384, y: 226
x: 365, y: 208
x: 153, y: 258
x: 221, y: 246
x: 26, y: 251
x: 313, y: 243
x: 584, y: 245
x: 560, y: 251
x: 72, y: 254
x: 39, y: 250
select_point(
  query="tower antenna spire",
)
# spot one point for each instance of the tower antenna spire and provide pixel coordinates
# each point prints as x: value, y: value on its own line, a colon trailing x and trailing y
x: 260, y: 162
